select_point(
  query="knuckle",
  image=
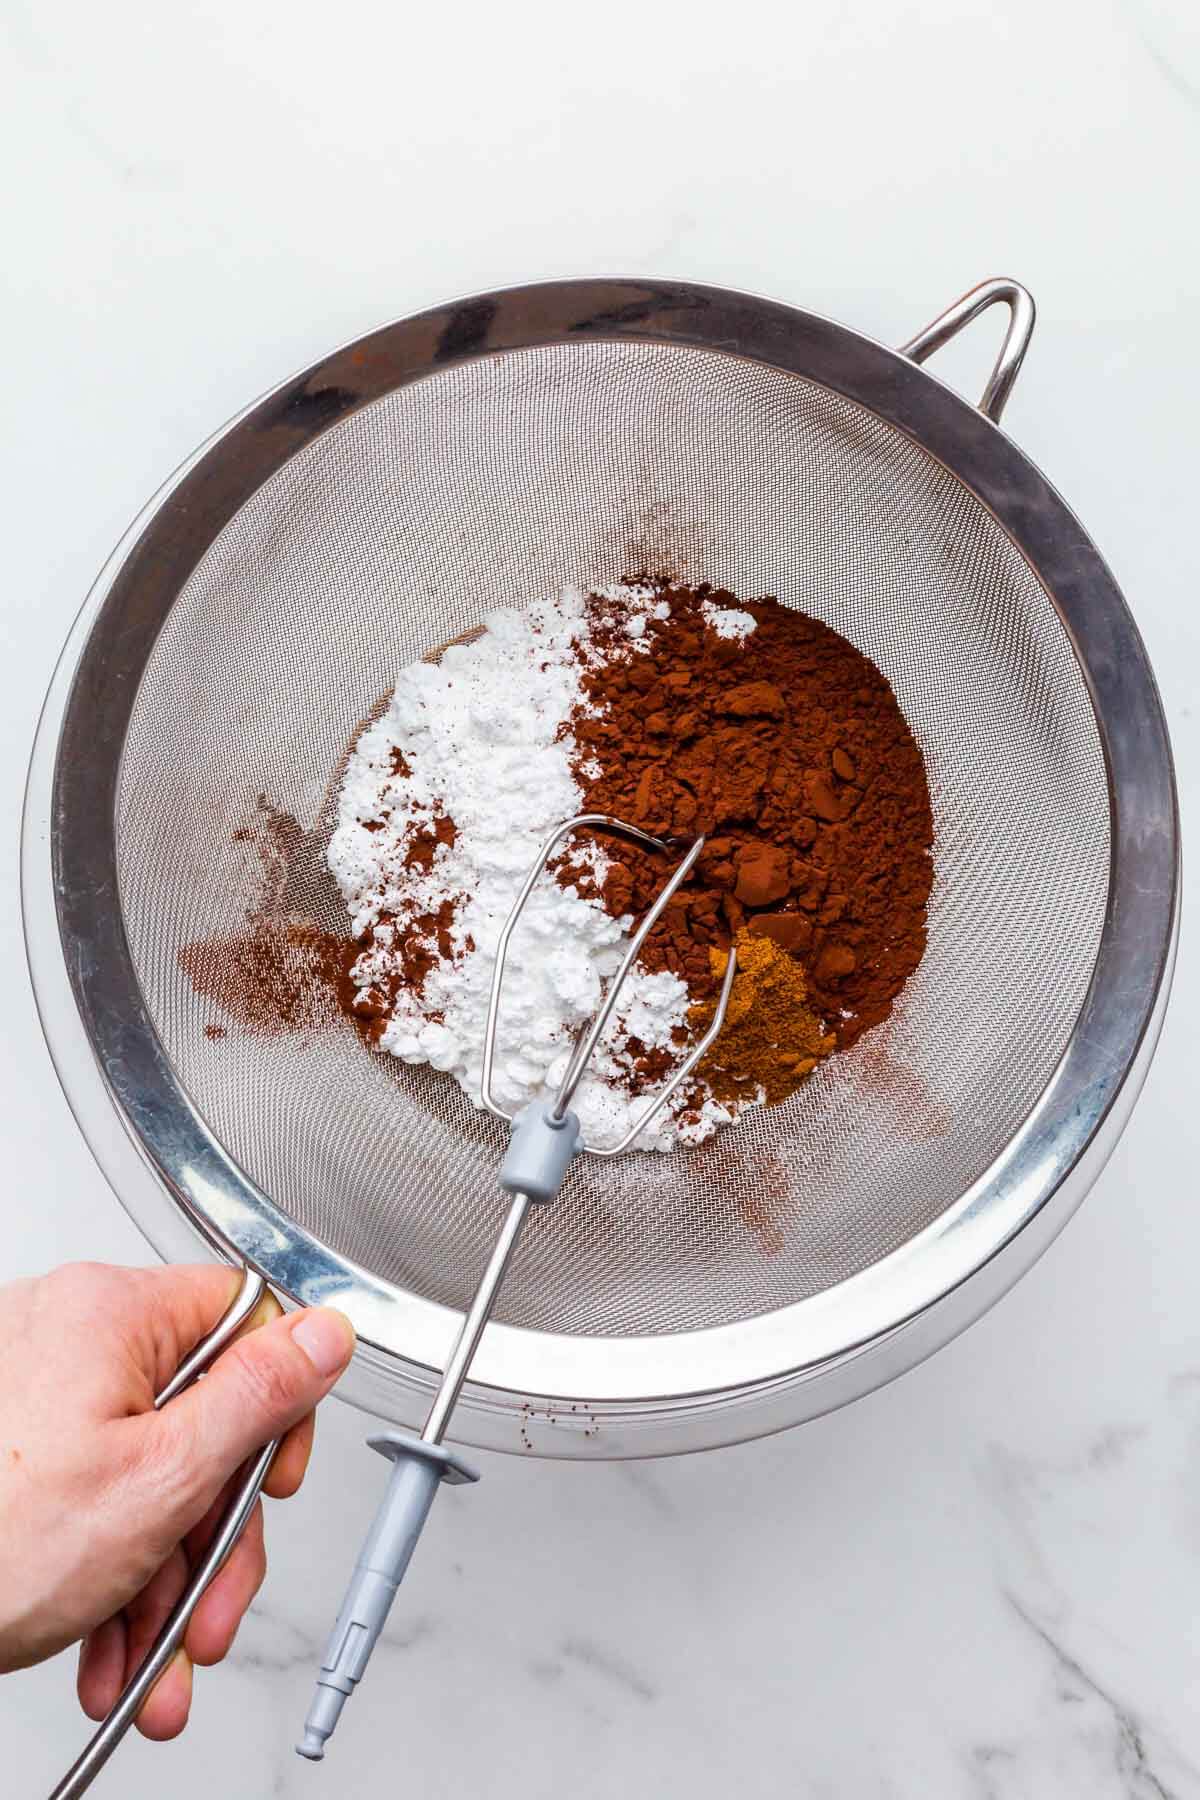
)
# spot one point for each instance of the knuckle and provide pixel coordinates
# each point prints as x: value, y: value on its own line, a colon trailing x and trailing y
x: 71, y: 1274
x: 85, y: 1295
x: 266, y: 1379
x: 77, y: 1279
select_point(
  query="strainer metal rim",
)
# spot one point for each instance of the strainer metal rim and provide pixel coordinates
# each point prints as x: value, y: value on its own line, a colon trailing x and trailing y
x: 132, y: 598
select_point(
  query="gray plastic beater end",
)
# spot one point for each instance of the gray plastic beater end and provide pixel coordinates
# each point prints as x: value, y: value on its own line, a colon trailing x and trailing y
x: 540, y: 1151
x: 417, y: 1469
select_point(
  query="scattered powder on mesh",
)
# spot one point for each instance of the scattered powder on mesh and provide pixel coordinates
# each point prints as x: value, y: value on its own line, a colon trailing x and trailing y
x: 480, y: 739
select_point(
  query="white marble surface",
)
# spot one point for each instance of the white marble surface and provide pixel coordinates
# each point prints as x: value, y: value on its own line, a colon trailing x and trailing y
x: 983, y: 1581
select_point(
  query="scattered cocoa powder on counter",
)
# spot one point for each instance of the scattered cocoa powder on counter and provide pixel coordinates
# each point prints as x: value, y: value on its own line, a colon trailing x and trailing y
x: 788, y: 749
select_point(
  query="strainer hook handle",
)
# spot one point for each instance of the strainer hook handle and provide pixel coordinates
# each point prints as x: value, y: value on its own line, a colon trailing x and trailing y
x: 1022, y: 314
x: 87, y: 1766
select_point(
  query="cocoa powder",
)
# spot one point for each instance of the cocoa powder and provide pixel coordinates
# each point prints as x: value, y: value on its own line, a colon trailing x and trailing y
x: 788, y: 749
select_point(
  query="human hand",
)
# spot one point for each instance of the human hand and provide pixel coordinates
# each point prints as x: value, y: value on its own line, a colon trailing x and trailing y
x: 105, y: 1504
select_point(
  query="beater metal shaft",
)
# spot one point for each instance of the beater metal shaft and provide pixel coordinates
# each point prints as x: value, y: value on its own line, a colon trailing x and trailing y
x: 544, y: 1140
x: 479, y: 1313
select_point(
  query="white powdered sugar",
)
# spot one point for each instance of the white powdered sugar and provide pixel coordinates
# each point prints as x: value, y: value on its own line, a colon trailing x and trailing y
x: 481, y: 738
x: 728, y: 621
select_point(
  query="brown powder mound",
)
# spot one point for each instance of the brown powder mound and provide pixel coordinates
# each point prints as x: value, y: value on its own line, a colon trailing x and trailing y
x: 788, y: 749
x: 772, y: 1040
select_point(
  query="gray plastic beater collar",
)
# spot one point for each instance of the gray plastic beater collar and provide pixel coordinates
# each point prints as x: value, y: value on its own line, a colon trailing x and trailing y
x: 540, y: 1151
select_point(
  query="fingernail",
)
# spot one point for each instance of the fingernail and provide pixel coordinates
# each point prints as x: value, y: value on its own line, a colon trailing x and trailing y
x: 326, y: 1337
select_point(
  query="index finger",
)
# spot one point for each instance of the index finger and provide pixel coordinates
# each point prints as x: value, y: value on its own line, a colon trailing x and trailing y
x: 181, y: 1304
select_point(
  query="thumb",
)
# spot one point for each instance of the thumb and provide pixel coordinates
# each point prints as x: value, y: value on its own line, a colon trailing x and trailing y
x: 264, y: 1383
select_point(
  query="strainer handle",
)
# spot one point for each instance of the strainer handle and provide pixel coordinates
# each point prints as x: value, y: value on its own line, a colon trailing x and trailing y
x: 1022, y: 314
x: 83, y: 1771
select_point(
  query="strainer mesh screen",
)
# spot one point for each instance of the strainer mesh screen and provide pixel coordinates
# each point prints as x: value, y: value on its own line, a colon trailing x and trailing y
x: 487, y: 485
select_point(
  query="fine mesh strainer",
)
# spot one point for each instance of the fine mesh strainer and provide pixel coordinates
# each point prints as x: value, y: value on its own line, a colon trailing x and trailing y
x: 374, y: 508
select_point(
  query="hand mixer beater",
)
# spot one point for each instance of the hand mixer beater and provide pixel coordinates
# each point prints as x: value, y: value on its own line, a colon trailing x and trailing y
x: 545, y: 1139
